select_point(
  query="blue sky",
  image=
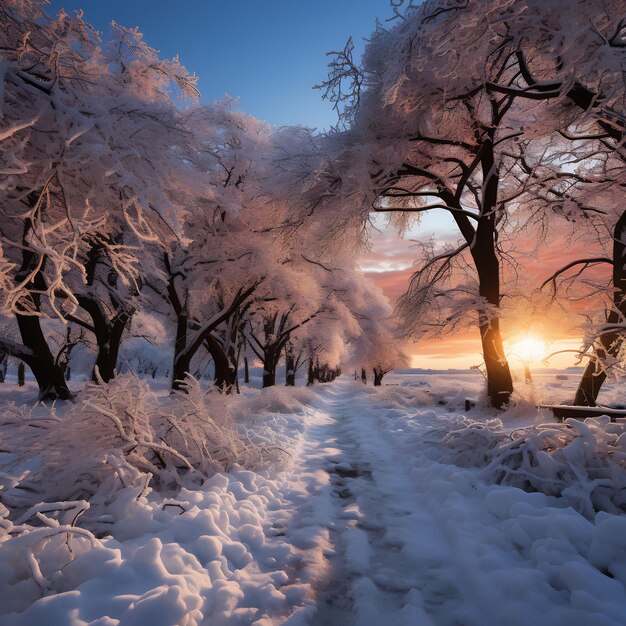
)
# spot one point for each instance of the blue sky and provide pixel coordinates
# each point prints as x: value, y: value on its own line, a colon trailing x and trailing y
x: 269, y: 53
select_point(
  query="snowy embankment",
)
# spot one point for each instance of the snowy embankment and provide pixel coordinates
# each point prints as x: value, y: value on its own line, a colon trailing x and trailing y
x: 385, y: 511
x: 186, y: 556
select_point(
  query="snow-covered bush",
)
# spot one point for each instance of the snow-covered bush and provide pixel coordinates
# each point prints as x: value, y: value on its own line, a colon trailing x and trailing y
x: 581, y: 462
x: 117, y: 436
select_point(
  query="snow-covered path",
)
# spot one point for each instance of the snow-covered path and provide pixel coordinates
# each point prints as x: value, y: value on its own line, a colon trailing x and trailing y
x: 376, y: 519
x: 354, y: 516
x: 390, y: 535
x: 370, y: 579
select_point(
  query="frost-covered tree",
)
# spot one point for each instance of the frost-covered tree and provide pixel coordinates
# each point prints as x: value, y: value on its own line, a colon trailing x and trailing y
x: 291, y: 298
x: 426, y: 134
x: 88, y: 134
x: 226, y: 241
x: 573, y: 65
x: 447, y: 112
x: 380, y: 346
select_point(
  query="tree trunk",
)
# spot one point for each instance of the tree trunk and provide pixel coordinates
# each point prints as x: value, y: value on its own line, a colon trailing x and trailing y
x: 528, y: 377
x: 21, y: 374
x: 232, y: 371
x: 246, y: 370
x: 363, y: 376
x: 589, y: 385
x: 180, y: 365
x: 47, y: 373
x: 610, y: 344
x: 290, y: 371
x: 104, y: 367
x: 378, y: 377
x: 499, y: 379
x: 184, y: 353
x: 109, y: 341
x: 310, y: 377
x: 270, y: 362
x: 108, y: 333
x: 180, y: 371
x: 225, y: 373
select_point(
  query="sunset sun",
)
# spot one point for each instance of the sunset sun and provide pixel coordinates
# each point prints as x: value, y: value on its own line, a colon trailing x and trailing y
x: 529, y: 348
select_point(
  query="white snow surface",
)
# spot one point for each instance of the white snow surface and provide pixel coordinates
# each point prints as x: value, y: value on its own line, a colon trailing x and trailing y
x: 372, y: 520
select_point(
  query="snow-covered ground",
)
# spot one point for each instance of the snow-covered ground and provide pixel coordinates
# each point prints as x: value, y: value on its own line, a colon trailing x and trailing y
x: 383, y: 510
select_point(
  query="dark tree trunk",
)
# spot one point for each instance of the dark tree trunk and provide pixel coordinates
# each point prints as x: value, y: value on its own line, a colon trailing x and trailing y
x: 290, y: 370
x: 269, y: 376
x: 225, y: 372
x: 499, y: 379
x: 104, y: 367
x: 222, y: 369
x: 180, y: 370
x: 246, y: 370
x: 108, y: 333
x: 589, y: 386
x: 528, y: 377
x: 610, y: 344
x: 270, y: 361
x: 183, y: 352
x: 47, y: 373
x: 21, y: 374
x: 180, y: 366
x: 378, y: 377
x: 363, y: 376
x: 232, y: 369
x: 109, y: 339
x: 310, y: 378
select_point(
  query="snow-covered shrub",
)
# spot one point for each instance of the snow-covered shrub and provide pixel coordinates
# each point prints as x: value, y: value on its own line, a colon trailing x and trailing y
x: 470, y: 443
x: 275, y: 399
x: 117, y: 436
x: 581, y: 462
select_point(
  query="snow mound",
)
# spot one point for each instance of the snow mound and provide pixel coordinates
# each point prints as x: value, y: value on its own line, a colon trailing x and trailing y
x: 156, y: 521
x: 117, y: 436
x: 202, y: 557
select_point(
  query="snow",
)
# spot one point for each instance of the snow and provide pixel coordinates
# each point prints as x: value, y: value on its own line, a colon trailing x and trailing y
x: 381, y: 510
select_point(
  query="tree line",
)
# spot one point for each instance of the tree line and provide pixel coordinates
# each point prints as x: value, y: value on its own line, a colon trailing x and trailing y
x: 123, y: 204
x: 128, y: 203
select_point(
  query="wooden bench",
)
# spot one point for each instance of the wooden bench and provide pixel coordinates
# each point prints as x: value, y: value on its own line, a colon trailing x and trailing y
x: 563, y: 412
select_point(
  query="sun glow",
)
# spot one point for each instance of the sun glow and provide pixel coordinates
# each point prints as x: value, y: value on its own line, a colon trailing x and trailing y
x: 529, y: 349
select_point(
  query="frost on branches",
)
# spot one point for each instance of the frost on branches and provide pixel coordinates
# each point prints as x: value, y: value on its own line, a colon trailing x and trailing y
x: 505, y: 115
